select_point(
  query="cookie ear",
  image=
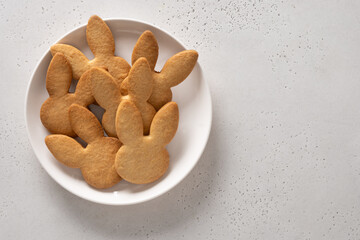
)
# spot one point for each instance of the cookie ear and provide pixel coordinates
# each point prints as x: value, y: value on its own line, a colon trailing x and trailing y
x: 129, y: 124
x: 146, y: 46
x: 165, y: 123
x: 59, y: 76
x: 99, y: 37
x: 83, y: 89
x: 104, y: 88
x: 178, y: 67
x: 65, y: 149
x: 139, y: 82
x: 78, y: 61
x: 84, y: 123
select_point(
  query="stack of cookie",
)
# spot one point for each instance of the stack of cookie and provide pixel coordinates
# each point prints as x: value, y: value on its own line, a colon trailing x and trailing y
x: 139, y: 118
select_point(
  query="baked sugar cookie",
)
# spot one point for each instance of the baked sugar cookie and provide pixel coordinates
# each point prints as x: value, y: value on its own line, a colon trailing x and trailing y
x: 144, y: 159
x: 54, y: 111
x: 139, y: 85
x: 96, y: 160
x: 175, y: 70
x: 102, y: 45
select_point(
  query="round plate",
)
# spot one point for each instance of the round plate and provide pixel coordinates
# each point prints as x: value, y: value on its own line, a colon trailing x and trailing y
x: 192, y: 96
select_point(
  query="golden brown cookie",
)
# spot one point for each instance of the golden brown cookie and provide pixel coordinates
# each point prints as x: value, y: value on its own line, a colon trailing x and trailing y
x: 144, y: 159
x: 175, y: 70
x: 101, y: 43
x: 139, y: 84
x: 54, y: 111
x: 96, y: 160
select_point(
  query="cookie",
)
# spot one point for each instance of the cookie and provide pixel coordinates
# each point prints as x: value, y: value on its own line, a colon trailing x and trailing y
x: 144, y: 159
x: 96, y: 160
x: 175, y: 70
x: 107, y: 93
x: 54, y: 111
x: 102, y: 45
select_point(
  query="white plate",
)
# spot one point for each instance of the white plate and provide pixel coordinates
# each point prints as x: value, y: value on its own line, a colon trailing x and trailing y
x: 192, y: 96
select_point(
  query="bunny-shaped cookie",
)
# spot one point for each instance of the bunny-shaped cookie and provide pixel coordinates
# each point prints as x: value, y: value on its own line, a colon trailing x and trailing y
x: 54, y: 111
x: 96, y: 160
x: 106, y: 91
x: 175, y: 70
x: 101, y: 43
x: 144, y: 159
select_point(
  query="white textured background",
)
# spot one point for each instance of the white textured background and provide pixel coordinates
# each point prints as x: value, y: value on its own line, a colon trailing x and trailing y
x: 282, y: 161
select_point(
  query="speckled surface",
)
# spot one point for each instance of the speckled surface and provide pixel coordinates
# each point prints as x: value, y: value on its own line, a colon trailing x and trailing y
x: 282, y: 161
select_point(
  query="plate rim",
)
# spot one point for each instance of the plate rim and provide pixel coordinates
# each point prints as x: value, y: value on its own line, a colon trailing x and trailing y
x: 145, y: 199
